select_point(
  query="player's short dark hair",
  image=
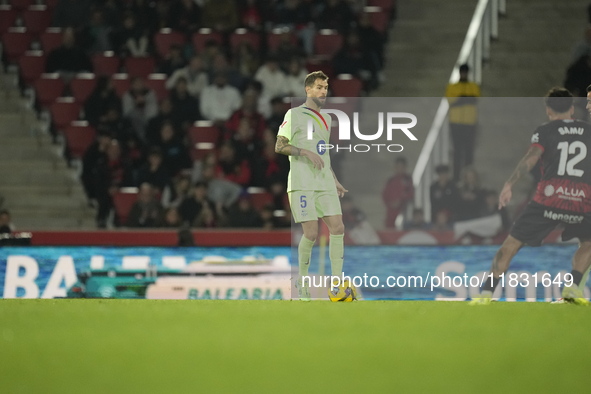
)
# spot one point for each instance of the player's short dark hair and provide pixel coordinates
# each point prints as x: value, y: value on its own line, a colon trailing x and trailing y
x: 559, y: 100
x: 464, y: 68
x: 4, y: 212
x: 313, y: 76
x: 200, y: 184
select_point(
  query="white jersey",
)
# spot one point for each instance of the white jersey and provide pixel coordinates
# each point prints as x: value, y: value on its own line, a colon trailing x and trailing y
x: 302, y: 174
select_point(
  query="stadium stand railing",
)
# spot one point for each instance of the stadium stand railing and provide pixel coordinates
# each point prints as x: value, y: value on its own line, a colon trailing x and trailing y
x: 475, y: 51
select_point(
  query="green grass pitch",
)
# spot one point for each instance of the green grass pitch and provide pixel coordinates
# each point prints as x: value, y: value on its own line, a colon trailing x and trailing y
x: 142, y: 346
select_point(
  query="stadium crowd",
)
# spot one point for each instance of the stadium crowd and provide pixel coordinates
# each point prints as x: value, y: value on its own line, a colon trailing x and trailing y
x: 451, y: 200
x: 185, y: 96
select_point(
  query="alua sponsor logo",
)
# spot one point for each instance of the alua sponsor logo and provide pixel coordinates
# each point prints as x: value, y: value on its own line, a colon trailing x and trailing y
x: 566, y: 192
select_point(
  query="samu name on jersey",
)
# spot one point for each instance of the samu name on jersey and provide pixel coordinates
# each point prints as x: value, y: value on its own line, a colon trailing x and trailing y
x: 566, y: 165
x: 302, y: 174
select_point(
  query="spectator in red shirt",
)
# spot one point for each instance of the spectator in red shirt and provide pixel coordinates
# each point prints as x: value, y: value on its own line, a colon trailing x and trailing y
x: 398, y: 192
x: 232, y: 168
x: 247, y: 111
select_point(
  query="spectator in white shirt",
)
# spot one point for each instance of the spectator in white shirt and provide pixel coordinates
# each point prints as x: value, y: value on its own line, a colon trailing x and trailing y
x: 272, y: 78
x: 296, y: 78
x: 219, y: 100
x: 194, y: 75
x: 139, y: 105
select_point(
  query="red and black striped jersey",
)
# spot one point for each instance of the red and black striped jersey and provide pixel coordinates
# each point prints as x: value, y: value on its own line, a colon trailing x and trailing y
x: 566, y: 165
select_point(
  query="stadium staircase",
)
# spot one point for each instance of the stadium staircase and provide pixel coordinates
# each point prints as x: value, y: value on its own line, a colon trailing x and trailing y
x: 36, y: 184
x: 531, y: 56
x: 423, y: 45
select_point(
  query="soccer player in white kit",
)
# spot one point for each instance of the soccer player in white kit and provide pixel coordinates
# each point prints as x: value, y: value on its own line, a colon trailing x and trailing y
x: 312, y: 186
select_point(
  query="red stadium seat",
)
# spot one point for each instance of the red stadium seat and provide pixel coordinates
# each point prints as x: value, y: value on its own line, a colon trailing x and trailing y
x: 259, y: 200
x: 123, y: 200
x: 140, y: 66
x: 105, y: 63
x: 21, y: 4
x: 277, y: 36
x: 327, y: 43
x: 204, y: 137
x: 346, y: 85
x: 16, y: 41
x: 313, y: 64
x: 203, y: 131
x: 203, y: 36
x: 48, y: 88
x: 165, y: 38
x: 82, y: 86
x: 158, y: 83
x: 378, y: 17
x: 51, y: 38
x: 7, y: 17
x: 51, y: 3
x: 121, y: 83
x: 37, y: 18
x: 243, y: 35
x: 64, y: 111
x: 31, y: 66
x: 79, y: 136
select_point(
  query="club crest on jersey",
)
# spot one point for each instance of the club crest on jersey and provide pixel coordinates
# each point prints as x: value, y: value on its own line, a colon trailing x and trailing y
x: 549, y: 190
x: 321, y: 147
x: 535, y: 138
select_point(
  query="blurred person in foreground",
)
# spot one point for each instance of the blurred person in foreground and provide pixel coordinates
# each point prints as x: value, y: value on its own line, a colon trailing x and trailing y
x: 471, y: 195
x: 68, y: 59
x: 398, y: 192
x: 139, y: 105
x: 243, y: 214
x: 147, y: 211
x: 6, y: 226
x: 197, y: 201
x: 563, y: 196
x: 417, y: 221
x: 443, y: 192
x: 463, y: 117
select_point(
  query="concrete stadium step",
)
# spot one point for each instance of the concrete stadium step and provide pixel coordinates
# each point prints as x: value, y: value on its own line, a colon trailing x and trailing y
x: 41, y: 178
x: 52, y: 220
x: 28, y: 152
x: 37, y: 139
x: 31, y: 201
x: 20, y: 190
x: 18, y: 124
x: 37, y: 165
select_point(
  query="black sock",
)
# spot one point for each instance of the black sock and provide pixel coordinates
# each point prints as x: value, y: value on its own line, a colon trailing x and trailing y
x: 490, y: 284
x: 577, y: 277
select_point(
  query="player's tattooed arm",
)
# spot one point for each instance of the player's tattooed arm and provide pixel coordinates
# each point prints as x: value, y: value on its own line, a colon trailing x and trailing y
x: 526, y: 164
x: 283, y: 147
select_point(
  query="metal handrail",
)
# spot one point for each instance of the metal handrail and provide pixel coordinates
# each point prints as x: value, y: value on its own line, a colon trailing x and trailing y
x: 475, y: 51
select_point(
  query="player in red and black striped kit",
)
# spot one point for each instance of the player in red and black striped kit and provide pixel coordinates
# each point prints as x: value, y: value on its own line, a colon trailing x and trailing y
x: 563, y: 196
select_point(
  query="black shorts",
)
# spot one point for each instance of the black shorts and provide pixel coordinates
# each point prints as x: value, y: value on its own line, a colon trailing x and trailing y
x: 537, y: 221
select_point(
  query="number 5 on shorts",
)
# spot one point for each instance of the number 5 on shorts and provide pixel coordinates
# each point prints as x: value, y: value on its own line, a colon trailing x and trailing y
x: 303, y: 202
